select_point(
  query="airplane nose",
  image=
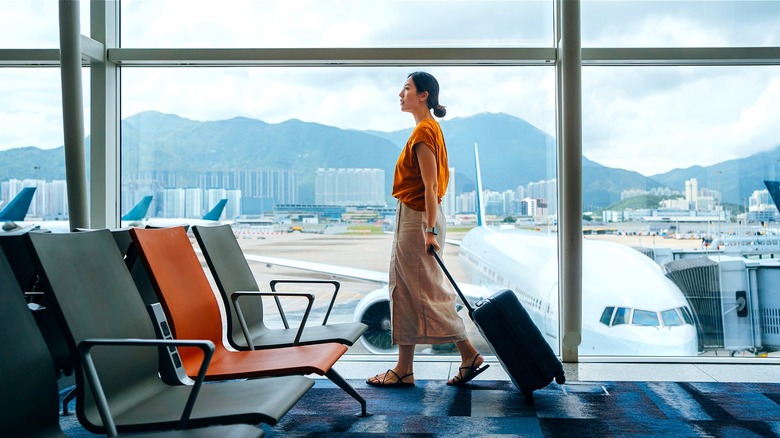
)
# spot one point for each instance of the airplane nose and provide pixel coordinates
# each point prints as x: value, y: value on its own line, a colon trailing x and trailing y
x: 667, y: 344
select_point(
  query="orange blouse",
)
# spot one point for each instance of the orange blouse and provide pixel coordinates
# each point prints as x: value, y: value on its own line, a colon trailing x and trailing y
x: 408, y: 185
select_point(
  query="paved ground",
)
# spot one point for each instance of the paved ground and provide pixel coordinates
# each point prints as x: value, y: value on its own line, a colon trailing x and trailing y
x: 356, y: 250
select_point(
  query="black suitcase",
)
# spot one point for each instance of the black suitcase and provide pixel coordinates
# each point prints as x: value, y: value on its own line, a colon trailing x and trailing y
x: 514, y: 338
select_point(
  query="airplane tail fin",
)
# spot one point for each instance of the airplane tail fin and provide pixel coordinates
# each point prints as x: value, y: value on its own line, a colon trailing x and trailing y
x: 16, y: 210
x: 774, y: 191
x: 138, y: 212
x: 216, y: 212
x: 480, y: 205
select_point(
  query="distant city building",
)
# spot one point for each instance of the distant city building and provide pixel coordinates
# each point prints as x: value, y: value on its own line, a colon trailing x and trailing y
x: 466, y: 203
x: 691, y: 192
x: 279, y: 184
x: 248, y: 187
x: 761, y: 207
x: 350, y: 186
x: 493, y: 203
x: 520, y: 192
x: 449, y: 203
x: 546, y: 190
x: 706, y: 203
x: 608, y: 216
x: 663, y: 192
x: 631, y: 193
x: 171, y: 203
x: 675, y: 204
x: 193, y: 202
x: 233, y: 206
x: 49, y: 202
x: 535, y: 208
x: 56, y: 206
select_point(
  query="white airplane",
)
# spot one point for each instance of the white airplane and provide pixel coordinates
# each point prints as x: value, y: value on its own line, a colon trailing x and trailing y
x: 132, y: 218
x: 210, y: 218
x: 630, y: 308
x: 16, y: 209
x: 137, y: 214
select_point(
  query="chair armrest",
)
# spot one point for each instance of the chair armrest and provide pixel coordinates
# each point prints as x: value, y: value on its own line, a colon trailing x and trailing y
x: 86, y: 345
x: 236, y: 295
x: 336, y: 286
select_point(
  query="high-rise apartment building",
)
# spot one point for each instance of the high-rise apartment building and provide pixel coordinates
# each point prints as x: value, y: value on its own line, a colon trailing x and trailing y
x: 350, y: 186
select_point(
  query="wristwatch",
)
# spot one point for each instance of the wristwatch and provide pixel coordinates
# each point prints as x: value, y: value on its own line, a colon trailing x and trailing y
x: 432, y: 230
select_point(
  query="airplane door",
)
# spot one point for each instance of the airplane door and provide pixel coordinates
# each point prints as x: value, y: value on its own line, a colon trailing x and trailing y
x: 551, y: 312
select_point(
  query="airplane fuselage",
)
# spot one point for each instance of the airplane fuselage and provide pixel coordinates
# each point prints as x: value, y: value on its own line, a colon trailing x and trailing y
x: 628, y: 306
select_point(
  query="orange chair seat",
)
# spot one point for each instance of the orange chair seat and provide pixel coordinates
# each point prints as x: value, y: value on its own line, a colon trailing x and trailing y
x: 305, y: 359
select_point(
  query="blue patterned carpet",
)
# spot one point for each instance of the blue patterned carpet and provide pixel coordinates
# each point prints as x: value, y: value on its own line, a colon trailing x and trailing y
x: 496, y: 408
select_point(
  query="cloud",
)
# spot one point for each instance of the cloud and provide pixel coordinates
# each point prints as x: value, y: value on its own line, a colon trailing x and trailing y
x: 695, y: 116
x: 648, y: 119
x: 343, y: 23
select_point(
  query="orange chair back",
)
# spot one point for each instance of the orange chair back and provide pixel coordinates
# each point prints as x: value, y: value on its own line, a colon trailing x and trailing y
x: 181, y: 284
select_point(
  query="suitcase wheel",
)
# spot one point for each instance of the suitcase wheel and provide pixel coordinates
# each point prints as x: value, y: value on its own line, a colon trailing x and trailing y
x: 560, y: 379
x: 529, y: 398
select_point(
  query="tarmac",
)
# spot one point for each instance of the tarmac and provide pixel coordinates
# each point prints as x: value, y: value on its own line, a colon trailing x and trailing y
x: 372, y: 251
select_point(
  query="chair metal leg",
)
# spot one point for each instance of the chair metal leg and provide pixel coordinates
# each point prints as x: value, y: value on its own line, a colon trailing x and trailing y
x: 338, y: 380
x: 67, y: 399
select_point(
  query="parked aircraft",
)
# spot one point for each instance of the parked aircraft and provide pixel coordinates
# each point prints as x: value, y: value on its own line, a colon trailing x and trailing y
x: 774, y: 191
x: 629, y: 306
x: 19, y: 206
x: 137, y: 214
x: 210, y: 218
x: 16, y: 210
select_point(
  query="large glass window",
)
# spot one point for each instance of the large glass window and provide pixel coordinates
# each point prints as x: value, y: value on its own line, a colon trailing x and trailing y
x: 695, y: 23
x: 305, y: 157
x: 34, y: 24
x: 680, y: 163
x: 338, y: 23
x: 696, y: 152
x: 31, y: 137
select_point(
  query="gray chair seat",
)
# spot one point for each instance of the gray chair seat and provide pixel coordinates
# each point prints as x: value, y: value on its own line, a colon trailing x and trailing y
x: 232, y: 274
x: 96, y: 298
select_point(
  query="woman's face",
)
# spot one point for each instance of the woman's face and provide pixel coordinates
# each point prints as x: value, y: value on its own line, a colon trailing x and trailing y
x: 410, y: 99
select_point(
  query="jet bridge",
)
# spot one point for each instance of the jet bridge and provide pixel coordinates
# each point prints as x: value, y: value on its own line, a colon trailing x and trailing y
x: 735, y: 300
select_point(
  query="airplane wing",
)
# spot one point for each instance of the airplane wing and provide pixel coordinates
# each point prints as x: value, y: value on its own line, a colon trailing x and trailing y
x: 472, y: 291
x: 322, y: 268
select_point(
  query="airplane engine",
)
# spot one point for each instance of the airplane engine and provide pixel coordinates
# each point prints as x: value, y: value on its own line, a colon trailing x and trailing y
x: 374, y: 311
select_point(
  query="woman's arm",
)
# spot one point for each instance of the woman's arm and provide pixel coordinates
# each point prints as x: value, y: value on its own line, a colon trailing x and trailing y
x: 430, y: 177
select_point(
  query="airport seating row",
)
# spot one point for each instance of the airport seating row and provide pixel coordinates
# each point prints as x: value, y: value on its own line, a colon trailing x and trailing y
x: 99, y: 284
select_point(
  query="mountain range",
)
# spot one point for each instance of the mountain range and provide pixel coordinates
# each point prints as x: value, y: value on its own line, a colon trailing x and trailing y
x: 512, y: 153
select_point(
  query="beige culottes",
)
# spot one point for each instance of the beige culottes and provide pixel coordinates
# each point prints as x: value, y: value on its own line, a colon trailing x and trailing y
x: 422, y: 301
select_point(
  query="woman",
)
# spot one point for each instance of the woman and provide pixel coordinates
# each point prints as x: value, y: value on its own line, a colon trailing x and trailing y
x: 422, y: 303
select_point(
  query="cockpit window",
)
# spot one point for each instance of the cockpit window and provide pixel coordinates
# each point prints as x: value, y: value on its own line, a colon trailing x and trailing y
x: 671, y: 318
x: 686, y: 312
x: 621, y: 316
x: 606, y: 317
x: 612, y: 316
x: 645, y: 318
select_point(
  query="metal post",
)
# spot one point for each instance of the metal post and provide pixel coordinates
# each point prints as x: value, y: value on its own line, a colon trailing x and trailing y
x: 570, y: 178
x: 73, y: 113
x: 105, y: 114
x: 718, y: 172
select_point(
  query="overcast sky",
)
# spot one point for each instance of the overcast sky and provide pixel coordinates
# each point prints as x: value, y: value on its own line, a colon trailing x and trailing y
x: 670, y: 116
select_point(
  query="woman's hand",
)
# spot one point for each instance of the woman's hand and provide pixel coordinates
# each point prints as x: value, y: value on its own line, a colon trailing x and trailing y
x: 430, y: 240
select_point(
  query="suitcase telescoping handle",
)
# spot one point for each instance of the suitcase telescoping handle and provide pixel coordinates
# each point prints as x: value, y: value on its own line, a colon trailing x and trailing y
x: 452, y: 280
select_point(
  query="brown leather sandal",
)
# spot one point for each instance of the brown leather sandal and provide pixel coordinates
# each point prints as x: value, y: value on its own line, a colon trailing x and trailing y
x: 471, y: 372
x: 384, y: 383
